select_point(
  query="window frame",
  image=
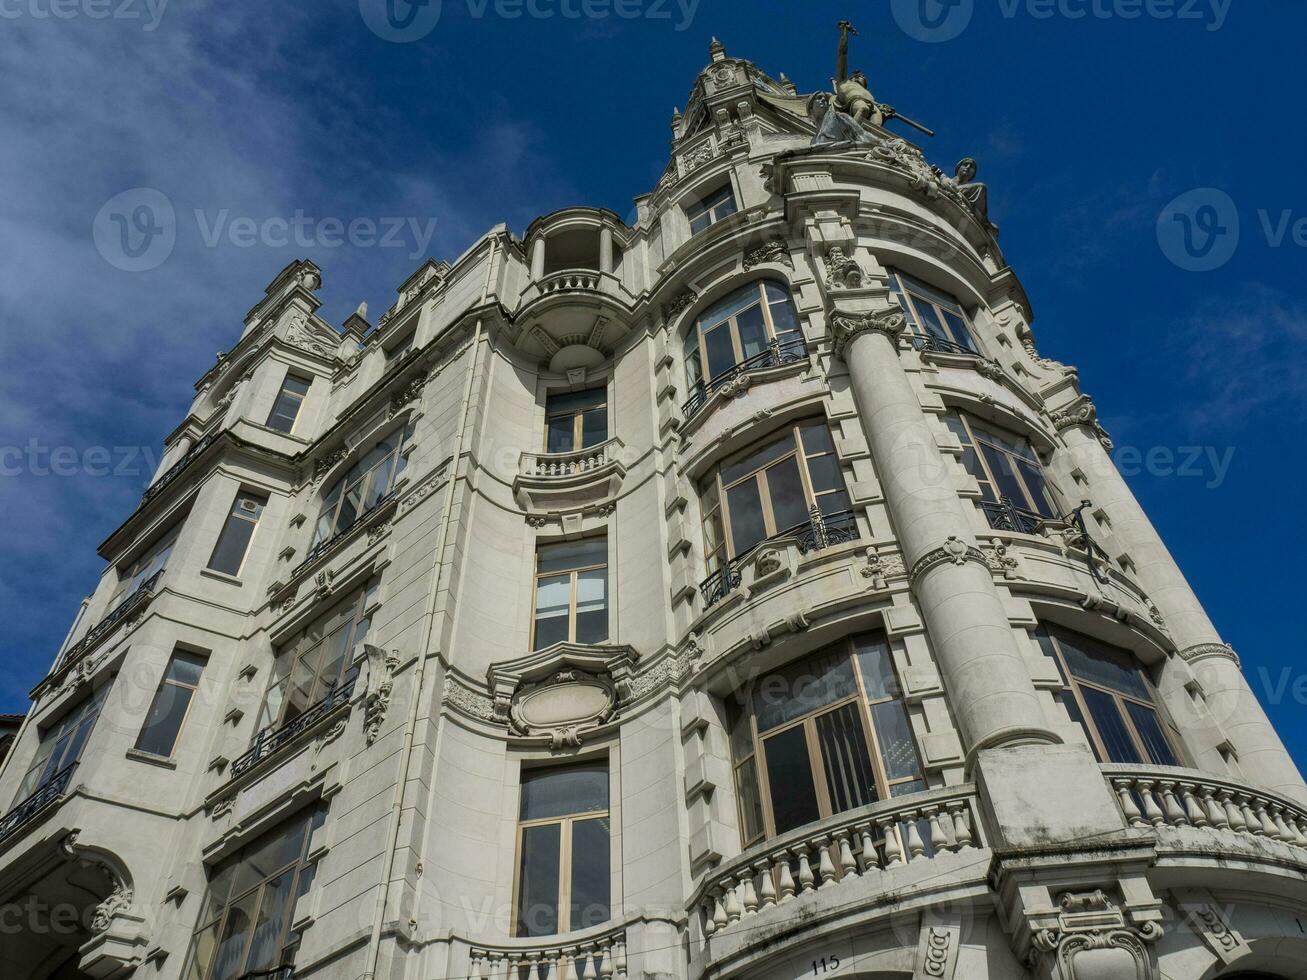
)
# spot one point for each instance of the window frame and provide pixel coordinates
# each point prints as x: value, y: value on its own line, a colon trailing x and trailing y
x: 563, y: 907
x: 709, y: 205
x: 1073, y: 686
x: 989, y: 482
x: 578, y: 419
x: 235, y: 514
x: 286, y: 394
x: 135, y: 574
x: 732, y: 326
x: 883, y: 787
x: 334, y: 497
x: 713, y: 490
x: 87, y: 712
x: 911, y: 291
x: 166, y: 681
x: 574, y: 573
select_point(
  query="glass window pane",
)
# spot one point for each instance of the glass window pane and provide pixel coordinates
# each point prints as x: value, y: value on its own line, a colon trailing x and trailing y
x: 1068, y: 701
x: 753, y: 331
x: 876, y: 666
x: 930, y: 320
x: 781, y: 697
x: 185, y: 668
x: 575, y: 402
x: 1101, y: 665
x: 572, y: 554
x: 538, y: 880
x: 164, y: 720
x: 270, y: 926
x: 726, y: 308
x: 591, y: 856
x: 202, y: 951
x: 235, y: 936
x: 693, y: 361
x: 783, y: 317
x: 757, y: 458
x: 844, y: 755
x: 746, y: 785
x: 789, y: 776
x: 785, y: 488
x: 721, y: 351
x: 1034, y: 477
x: 744, y: 510
x: 592, y: 606
x: 834, y: 502
x: 1111, y: 726
x: 229, y: 553
x: 817, y: 439
x: 1150, y: 733
x: 594, y: 427
x: 553, y: 600
x: 565, y: 791
x: 1004, y: 475
x: 898, y: 750
x: 959, y: 330
x: 824, y: 472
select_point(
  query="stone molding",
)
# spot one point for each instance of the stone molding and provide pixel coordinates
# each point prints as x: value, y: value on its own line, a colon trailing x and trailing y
x: 845, y: 327
x: 1082, y: 412
x: 1090, y: 937
x: 1204, y: 651
x: 954, y: 551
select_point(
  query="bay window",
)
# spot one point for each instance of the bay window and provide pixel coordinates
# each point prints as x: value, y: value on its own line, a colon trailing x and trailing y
x: 364, y: 485
x: 738, y: 333
x: 1014, y: 494
x: 564, y: 861
x: 936, y: 318
x: 1108, y: 694
x: 143, y: 569
x: 62, y: 744
x: 827, y: 734
x: 571, y: 593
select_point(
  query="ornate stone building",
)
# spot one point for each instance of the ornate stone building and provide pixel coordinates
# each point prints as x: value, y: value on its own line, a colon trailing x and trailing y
x: 735, y: 593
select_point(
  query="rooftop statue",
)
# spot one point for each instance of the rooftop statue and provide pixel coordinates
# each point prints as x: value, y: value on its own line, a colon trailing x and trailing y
x: 851, y: 113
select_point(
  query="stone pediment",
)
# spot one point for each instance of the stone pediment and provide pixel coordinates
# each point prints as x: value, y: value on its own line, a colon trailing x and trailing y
x: 563, y: 691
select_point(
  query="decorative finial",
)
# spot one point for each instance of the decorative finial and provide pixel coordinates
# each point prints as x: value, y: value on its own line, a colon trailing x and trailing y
x: 362, y: 311
x: 717, y: 50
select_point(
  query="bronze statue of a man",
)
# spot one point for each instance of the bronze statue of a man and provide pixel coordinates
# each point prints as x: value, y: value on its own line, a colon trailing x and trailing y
x: 851, y: 93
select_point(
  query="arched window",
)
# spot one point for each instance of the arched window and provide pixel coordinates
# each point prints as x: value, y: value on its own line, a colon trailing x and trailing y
x: 1014, y: 493
x: 754, y: 327
x: 366, y: 484
x: 824, y: 735
x: 937, y: 319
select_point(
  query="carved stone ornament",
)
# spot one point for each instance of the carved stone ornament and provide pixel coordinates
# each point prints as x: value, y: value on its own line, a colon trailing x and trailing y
x: 322, y: 465
x: 409, y: 393
x: 847, y: 327
x: 880, y: 568
x: 1092, y: 940
x: 770, y: 252
x: 300, y: 334
x: 737, y: 386
x: 842, y: 271
x: 119, y: 900
x: 937, y: 952
x: 1203, y: 651
x: 954, y: 551
x: 1082, y: 412
x: 990, y: 369
x: 999, y: 559
x: 678, y: 305
x: 926, y: 180
x: 381, y: 681
x: 223, y: 807
x: 470, y: 702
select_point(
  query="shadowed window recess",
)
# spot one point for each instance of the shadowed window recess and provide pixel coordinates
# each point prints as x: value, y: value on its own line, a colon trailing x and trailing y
x: 826, y: 734
x: 711, y: 209
x: 564, y: 860
x: 754, y: 327
x: 937, y: 319
x: 576, y: 420
x: 286, y: 409
x: 364, y: 485
x: 171, y: 704
x: 1015, y: 494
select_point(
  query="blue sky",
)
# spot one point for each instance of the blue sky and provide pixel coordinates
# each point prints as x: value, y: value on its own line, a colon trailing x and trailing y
x: 1086, y: 128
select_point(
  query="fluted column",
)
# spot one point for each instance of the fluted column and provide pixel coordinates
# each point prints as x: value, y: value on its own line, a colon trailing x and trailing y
x: 984, y: 671
x: 1262, y: 755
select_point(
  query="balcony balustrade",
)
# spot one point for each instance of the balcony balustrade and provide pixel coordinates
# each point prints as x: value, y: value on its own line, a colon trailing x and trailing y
x: 1163, y: 796
x: 860, y: 844
x: 272, y: 739
x: 174, y: 471
x: 822, y: 531
x: 577, y: 462
x: 601, y: 957
x: 135, y: 602
x: 276, y: 973
x: 939, y: 345
x: 329, y: 544
x: 776, y: 355
x: 44, y: 797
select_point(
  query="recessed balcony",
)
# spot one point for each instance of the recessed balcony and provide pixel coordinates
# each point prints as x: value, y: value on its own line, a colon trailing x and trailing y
x: 272, y: 740
x: 570, y: 479
x: 44, y: 798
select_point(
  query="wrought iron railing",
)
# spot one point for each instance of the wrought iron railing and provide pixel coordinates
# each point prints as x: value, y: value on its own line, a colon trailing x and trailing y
x: 1007, y: 516
x: 326, y: 544
x: 275, y: 973
x: 46, y: 795
x: 938, y: 345
x: 273, y: 738
x: 137, y: 600
x: 175, y: 470
x: 820, y: 531
x: 777, y: 354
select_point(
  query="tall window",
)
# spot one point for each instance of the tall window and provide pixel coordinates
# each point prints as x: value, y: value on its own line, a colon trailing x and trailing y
x: 1109, y: 695
x: 712, y: 209
x: 364, y: 486
x: 142, y: 569
x: 576, y: 420
x: 62, y: 744
x: 563, y: 878
x: 1015, y: 495
x: 234, y: 541
x: 769, y: 490
x: 822, y: 736
x: 935, y: 317
x: 740, y: 327
x: 286, y: 409
x: 245, y: 924
x: 171, y: 705
x: 315, y: 661
x: 571, y: 588
x: 396, y: 352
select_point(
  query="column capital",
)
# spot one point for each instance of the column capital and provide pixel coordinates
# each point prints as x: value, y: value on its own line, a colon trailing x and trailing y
x: 1202, y: 651
x: 846, y: 327
x: 1082, y: 412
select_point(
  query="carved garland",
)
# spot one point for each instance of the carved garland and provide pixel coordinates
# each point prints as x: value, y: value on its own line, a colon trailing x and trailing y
x: 1202, y: 651
x: 775, y: 251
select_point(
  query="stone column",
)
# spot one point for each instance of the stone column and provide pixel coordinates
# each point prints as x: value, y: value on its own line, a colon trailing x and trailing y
x: 538, y: 259
x: 1262, y: 756
x: 605, y: 249
x: 984, y: 670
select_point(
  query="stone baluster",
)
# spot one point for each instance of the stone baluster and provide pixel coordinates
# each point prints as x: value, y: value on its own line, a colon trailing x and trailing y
x: 787, y: 876
x: 1193, y: 811
x: 938, y: 839
x: 1175, y: 816
x: 1233, y: 815
x: 848, y: 866
x: 588, y: 957
x: 474, y: 966
x: 733, y: 909
x: 825, y: 867
x: 1252, y: 824
x: 606, y: 960
x: 720, y: 919
x: 1124, y: 792
x: 916, y: 846
x: 748, y: 896
x: 619, y: 957
x: 805, y: 870
x: 1271, y: 829
x: 868, y: 857
x: 893, y: 846
x: 766, y: 883
x: 1152, y: 812
x: 962, y: 837
x: 1216, y: 814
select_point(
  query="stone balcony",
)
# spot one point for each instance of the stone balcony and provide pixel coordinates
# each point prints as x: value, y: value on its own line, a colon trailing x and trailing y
x: 570, y: 480
x: 594, y: 954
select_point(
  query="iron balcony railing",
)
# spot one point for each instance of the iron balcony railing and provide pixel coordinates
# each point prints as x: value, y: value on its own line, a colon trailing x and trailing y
x: 777, y: 354
x: 175, y: 470
x: 275, y: 973
x: 326, y: 544
x: 273, y: 738
x: 938, y: 345
x: 137, y: 600
x: 820, y: 531
x: 45, y: 796
x: 1007, y: 516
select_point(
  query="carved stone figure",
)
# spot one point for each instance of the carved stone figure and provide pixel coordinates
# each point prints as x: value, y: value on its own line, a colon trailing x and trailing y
x: 974, y: 193
x: 851, y: 93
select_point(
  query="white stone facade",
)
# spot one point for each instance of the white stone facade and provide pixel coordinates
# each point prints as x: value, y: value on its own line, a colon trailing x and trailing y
x: 990, y: 834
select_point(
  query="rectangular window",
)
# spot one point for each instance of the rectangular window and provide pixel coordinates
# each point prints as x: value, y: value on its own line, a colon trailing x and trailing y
x: 395, y: 353
x: 245, y: 925
x: 937, y: 319
x: 234, y: 541
x: 712, y: 209
x: 171, y: 705
x: 363, y: 486
x: 1109, y: 695
x: 286, y: 409
x: 564, y: 873
x: 571, y: 590
x: 1014, y: 493
x: 62, y: 744
x: 133, y: 576
x: 576, y: 420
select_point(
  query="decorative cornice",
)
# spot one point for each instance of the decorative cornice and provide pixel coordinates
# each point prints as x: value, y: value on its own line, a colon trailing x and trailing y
x: 846, y: 327
x: 678, y: 305
x: 774, y: 251
x: 1203, y: 651
x: 1082, y: 412
x: 954, y: 551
